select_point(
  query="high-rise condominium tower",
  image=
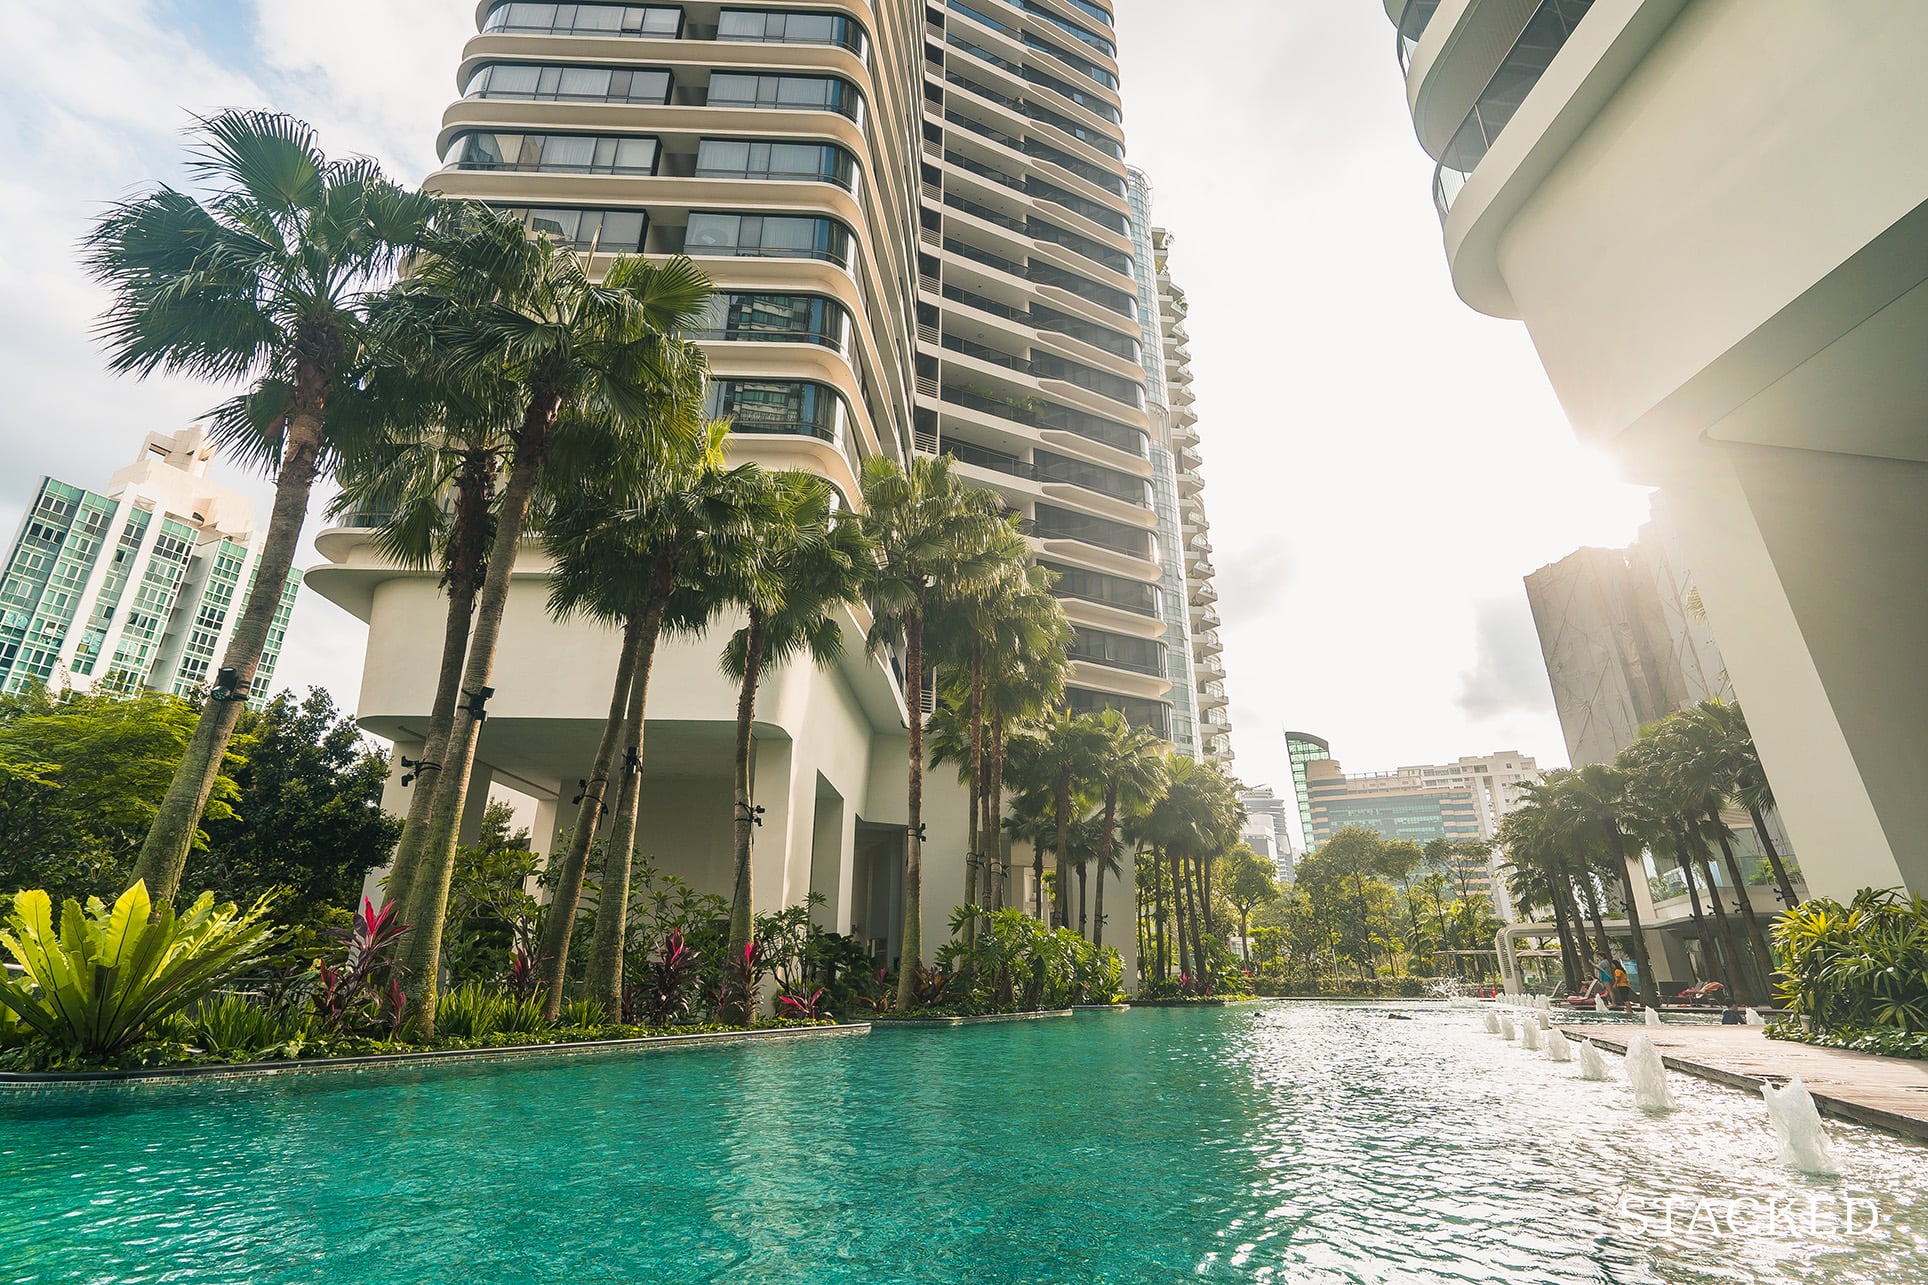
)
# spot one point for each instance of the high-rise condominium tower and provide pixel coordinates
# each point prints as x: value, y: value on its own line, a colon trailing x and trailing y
x: 138, y: 587
x: 916, y: 217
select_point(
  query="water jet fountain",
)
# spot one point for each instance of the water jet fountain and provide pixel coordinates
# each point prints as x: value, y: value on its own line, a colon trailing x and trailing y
x: 1653, y: 1017
x: 1507, y: 1028
x: 1797, y: 1127
x: 1530, y: 1036
x: 1558, y: 1047
x: 1599, y: 1004
x: 1648, y: 1075
x: 1492, y: 1022
x: 1592, y: 1065
x: 1754, y: 1017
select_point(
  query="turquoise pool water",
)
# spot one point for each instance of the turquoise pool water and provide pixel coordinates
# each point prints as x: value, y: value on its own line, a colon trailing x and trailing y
x: 1289, y: 1143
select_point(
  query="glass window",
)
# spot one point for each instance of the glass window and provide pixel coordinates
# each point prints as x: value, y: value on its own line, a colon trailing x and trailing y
x: 608, y: 231
x: 772, y: 235
x: 739, y: 158
x: 562, y: 153
x: 798, y: 406
x: 776, y: 318
x: 586, y: 19
x: 791, y: 28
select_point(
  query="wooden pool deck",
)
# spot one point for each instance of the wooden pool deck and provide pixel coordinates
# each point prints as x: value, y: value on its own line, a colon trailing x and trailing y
x: 1887, y: 1092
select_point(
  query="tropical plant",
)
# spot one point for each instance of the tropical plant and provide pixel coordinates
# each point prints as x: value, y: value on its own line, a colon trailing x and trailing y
x: 361, y: 991
x: 1248, y: 883
x: 1855, y: 967
x: 801, y: 1008
x: 266, y: 280
x: 804, y: 568
x: 737, y: 991
x: 1132, y: 774
x: 930, y: 531
x: 98, y: 981
x: 668, y: 983
x: 236, y: 1028
x: 1058, y: 763
x: 606, y: 383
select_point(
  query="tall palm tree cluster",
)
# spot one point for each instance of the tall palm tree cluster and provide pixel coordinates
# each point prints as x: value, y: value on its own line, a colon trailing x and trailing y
x: 1583, y: 837
x: 476, y: 392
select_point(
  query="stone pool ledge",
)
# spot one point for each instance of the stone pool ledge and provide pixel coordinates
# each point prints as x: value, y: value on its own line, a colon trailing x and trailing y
x: 10, y: 1080
x: 1179, y: 1003
x: 1886, y: 1092
x: 886, y: 1023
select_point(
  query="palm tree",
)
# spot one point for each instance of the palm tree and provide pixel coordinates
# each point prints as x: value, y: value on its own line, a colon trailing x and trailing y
x: 806, y: 566
x: 1649, y: 810
x: 1196, y: 817
x: 433, y: 494
x: 1058, y: 764
x: 1133, y: 774
x: 932, y: 532
x: 267, y: 280
x: 1725, y: 729
x: 599, y: 362
x: 656, y: 559
x: 1025, y: 663
x: 1596, y: 798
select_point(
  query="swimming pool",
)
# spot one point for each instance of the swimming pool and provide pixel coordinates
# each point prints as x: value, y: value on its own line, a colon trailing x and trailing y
x: 1284, y: 1142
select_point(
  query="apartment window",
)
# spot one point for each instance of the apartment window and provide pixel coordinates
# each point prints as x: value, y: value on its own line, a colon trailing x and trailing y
x: 1039, y: 413
x: 570, y: 84
x: 1546, y: 33
x: 587, y: 19
x: 1096, y: 41
x: 1103, y: 215
x: 1054, y: 523
x: 777, y: 318
x: 1135, y: 596
x: 1117, y: 651
x: 1117, y: 260
x: 1044, y: 274
x: 769, y: 236
x: 744, y: 158
x: 795, y: 93
x: 1130, y: 392
x: 791, y: 28
x: 1137, y: 711
x: 553, y: 153
x: 609, y: 231
x: 1052, y: 467
x: 798, y: 406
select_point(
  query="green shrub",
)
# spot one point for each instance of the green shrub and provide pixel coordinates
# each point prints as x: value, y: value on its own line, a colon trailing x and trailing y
x: 96, y: 984
x: 522, y: 1016
x: 470, y: 1011
x: 583, y: 1015
x: 236, y: 1027
x: 1861, y: 967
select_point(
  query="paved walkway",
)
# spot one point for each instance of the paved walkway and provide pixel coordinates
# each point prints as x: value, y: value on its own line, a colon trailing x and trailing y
x: 1887, y: 1092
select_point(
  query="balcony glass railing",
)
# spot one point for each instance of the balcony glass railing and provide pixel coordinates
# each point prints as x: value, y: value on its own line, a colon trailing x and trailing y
x: 1412, y: 26
x: 1545, y: 34
x: 650, y: 21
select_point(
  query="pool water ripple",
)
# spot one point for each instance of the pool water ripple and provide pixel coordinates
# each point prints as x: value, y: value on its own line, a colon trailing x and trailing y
x: 1307, y: 1144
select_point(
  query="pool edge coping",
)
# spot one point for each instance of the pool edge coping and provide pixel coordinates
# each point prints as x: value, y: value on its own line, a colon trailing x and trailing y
x: 295, y: 1066
x: 945, y: 1021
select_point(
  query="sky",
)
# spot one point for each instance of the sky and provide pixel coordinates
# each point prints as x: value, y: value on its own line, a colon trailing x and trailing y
x: 1383, y: 464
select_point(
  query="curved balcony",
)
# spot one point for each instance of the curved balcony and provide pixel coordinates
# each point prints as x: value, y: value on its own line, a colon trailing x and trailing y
x: 1539, y: 43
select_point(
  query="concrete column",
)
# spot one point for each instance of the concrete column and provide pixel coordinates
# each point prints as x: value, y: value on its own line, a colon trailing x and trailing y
x: 481, y: 777
x: 780, y: 847
x: 1813, y: 582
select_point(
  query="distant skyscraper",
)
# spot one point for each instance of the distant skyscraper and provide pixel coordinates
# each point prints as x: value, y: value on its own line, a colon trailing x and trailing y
x: 1266, y: 829
x: 1304, y: 747
x: 137, y: 587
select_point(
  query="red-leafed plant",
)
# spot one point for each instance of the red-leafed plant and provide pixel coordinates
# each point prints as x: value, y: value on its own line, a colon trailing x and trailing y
x: 801, y: 1008
x: 663, y: 998
x: 738, y: 987
x: 349, y: 996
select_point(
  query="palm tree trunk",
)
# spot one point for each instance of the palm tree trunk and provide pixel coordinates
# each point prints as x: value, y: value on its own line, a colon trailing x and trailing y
x: 163, y: 856
x: 1781, y: 879
x: 994, y: 811
x: 1569, y: 953
x: 1186, y: 964
x: 1192, y: 897
x: 1061, y: 856
x: 974, y: 786
x: 1715, y: 963
x: 911, y: 957
x: 741, y: 908
x: 1591, y: 896
x: 465, y: 561
x: 1756, y: 939
x: 558, y: 927
x: 1649, y: 989
x: 608, y: 937
x: 1084, y: 903
x: 1160, y: 961
x: 1107, y: 853
x: 1736, y: 965
x: 424, y: 962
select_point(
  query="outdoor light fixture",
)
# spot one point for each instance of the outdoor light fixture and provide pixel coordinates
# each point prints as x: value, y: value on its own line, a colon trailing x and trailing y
x: 478, y: 699
x: 228, y: 686
x: 920, y: 830
x: 582, y: 784
x: 750, y: 813
x: 415, y: 767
